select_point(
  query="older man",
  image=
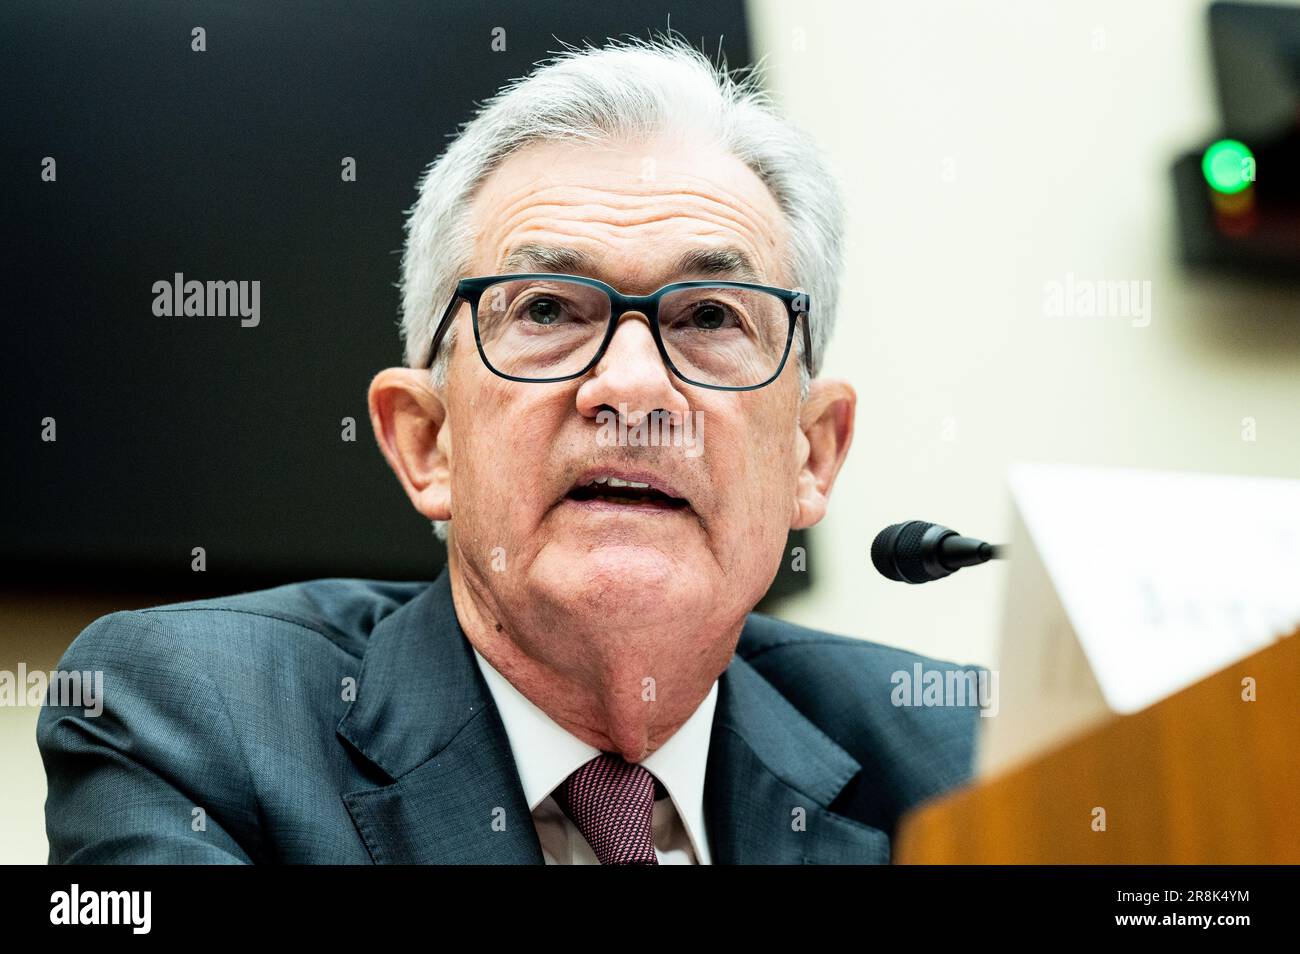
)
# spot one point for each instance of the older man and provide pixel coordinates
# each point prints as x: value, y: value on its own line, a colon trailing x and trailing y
x: 625, y: 245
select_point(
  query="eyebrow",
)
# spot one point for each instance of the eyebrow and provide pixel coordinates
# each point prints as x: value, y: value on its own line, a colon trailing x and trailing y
x: 716, y: 262
x: 711, y: 262
x: 547, y: 258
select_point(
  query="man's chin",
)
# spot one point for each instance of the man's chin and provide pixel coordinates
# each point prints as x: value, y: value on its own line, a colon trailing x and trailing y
x: 633, y: 580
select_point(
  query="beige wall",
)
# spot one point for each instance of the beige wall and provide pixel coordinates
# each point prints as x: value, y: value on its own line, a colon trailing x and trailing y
x: 986, y: 149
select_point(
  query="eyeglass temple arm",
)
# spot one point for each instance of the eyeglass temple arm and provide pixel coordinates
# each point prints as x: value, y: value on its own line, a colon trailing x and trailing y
x: 807, y: 342
x: 443, y: 325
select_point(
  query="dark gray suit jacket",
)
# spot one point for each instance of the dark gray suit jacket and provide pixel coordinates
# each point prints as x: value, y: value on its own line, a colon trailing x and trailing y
x: 228, y: 735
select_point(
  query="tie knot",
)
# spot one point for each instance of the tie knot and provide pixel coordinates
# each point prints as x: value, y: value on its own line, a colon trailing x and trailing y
x: 611, y: 801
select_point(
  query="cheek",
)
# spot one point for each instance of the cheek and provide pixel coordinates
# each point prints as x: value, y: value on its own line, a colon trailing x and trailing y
x: 758, y: 470
x: 500, y: 445
x: 476, y: 469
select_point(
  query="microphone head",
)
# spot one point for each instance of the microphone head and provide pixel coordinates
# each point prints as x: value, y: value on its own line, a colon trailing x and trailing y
x: 904, y: 552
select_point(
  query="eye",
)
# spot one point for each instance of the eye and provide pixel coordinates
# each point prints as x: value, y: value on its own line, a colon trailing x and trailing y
x: 544, y: 311
x: 709, y: 316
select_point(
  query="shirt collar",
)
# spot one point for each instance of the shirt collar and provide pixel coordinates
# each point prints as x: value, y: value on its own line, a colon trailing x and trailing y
x: 546, y: 753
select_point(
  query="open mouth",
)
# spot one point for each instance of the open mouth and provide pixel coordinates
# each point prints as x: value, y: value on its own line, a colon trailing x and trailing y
x: 624, y: 493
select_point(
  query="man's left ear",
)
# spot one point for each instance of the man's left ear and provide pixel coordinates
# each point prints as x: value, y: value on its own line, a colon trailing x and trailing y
x: 825, y: 433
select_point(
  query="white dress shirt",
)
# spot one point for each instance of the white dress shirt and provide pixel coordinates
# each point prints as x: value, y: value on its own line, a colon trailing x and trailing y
x: 546, y: 754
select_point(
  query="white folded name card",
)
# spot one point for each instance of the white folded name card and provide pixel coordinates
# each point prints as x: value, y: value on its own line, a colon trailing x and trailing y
x: 1127, y: 586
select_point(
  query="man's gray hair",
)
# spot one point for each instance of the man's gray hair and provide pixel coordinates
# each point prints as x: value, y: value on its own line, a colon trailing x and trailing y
x: 627, y: 90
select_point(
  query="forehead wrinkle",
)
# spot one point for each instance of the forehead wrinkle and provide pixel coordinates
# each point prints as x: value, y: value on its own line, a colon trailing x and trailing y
x: 637, y: 185
x: 531, y: 222
x: 652, y: 269
x: 730, y: 206
x: 542, y: 167
x: 763, y: 230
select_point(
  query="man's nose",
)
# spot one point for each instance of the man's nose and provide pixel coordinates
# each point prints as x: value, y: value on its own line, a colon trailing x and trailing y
x: 631, y: 374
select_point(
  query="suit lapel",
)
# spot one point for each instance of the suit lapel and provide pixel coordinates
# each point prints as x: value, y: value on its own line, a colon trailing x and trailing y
x: 448, y: 791
x: 771, y: 776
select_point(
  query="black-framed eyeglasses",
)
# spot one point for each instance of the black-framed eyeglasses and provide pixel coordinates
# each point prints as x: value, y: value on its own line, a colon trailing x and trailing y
x: 545, y: 327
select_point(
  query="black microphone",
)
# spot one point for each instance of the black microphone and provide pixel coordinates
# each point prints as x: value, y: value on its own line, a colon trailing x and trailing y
x: 918, y: 552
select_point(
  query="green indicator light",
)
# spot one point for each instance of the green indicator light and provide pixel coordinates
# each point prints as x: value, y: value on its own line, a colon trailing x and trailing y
x: 1229, y: 166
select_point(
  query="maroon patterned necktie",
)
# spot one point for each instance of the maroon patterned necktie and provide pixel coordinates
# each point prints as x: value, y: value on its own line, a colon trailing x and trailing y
x: 612, y: 801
